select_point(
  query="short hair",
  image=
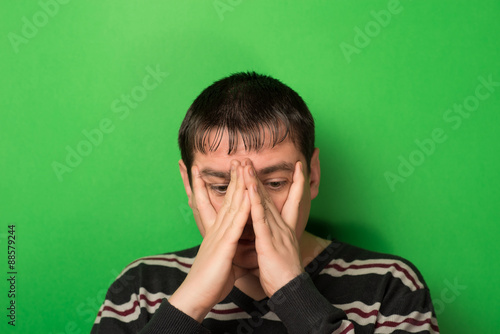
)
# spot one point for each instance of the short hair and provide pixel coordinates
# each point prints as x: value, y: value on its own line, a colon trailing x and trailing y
x: 246, y: 104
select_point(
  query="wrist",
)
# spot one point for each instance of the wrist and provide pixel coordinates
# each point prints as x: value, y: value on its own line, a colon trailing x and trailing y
x: 286, y: 277
x: 186, y: 301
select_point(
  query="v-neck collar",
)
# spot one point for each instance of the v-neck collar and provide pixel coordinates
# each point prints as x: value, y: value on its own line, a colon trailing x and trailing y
x: 259, y: 308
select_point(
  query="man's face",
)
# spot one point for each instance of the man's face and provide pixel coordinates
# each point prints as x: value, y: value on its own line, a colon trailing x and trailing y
x: 274, y: 167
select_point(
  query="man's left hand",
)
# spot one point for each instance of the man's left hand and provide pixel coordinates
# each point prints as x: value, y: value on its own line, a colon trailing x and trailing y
x: 276, y: 243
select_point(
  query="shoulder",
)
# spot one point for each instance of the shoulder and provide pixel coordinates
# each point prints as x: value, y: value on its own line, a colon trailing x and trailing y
x: 364, y: 283
x: 143, y: 284
x: 172, y: 264
x: 154, y: 274
x: 180, y: 260
x: 349, y: 260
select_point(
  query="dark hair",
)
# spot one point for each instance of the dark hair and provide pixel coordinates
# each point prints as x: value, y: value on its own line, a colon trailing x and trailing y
x: 246, y: 104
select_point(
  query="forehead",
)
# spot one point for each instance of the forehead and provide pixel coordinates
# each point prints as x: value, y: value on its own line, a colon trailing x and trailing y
x: 285, y: 151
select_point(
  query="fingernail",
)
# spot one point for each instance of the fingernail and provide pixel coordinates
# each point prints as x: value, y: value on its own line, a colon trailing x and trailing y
x: 251, y: 172
x: 233, y: 167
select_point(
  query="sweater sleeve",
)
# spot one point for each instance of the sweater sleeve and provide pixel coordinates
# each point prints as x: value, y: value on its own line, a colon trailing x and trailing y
x: 168, y: 319
x: 407, y: 310
x: 302, y: 309
x: 129, y: 308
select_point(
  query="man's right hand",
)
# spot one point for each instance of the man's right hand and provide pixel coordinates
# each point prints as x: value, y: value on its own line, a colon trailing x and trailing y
x: 212, y: 275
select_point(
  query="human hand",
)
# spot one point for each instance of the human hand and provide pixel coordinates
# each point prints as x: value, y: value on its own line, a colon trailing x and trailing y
x: 212, y: 275
x: 276, y: 243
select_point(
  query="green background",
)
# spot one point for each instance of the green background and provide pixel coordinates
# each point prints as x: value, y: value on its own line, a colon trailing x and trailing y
x: 125, y: 199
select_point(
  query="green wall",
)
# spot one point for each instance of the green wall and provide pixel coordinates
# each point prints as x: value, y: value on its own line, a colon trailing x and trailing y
x: 405, y: 170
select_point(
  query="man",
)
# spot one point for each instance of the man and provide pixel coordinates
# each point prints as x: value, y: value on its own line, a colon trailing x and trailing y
x: 250, y: 171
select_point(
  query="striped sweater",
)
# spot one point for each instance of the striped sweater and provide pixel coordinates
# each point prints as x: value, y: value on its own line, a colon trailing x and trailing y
x: 345, y: 290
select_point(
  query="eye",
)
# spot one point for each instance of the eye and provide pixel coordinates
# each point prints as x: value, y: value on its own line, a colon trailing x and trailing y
x: 219, y: 189
x: 276, y: 185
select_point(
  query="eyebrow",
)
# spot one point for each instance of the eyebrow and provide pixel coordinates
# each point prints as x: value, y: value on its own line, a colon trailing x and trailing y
x: 226, y: 175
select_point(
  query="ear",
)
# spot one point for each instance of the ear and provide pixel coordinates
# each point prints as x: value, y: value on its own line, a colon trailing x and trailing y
x: 185, y: 180
x: 315, y: 175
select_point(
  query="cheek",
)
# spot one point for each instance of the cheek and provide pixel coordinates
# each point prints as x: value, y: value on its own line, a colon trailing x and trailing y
x: 216, y: 201
x: 279, y: 200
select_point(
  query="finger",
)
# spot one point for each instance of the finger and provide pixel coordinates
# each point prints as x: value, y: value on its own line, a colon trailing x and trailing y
x: 252, y: 179
x: 246, y: 162
x: 290, y: 211
x: 235, y: 225
x: 239, y: 189
x: 261, y: 220
x: 236, y: 198
x: 232, y: 183
x: 203, y: 205
x: 230, y: 188
x: 270, y: 210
